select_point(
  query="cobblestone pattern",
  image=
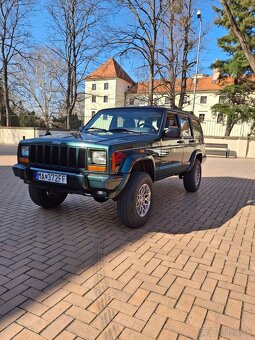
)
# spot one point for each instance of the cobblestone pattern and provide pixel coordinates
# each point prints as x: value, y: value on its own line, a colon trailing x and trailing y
x: 75, y: 272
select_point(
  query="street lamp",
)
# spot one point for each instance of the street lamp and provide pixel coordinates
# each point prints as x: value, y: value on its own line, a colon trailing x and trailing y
x: 199, y: 16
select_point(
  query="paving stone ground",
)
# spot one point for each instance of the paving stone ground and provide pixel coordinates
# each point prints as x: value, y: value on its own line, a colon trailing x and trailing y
x: 75, y: 272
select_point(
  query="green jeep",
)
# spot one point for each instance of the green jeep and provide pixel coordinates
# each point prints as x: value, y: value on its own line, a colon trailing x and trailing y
x: 118, y: 154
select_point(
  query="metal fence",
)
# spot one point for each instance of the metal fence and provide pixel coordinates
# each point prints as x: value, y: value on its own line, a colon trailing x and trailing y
x: 212, y: 128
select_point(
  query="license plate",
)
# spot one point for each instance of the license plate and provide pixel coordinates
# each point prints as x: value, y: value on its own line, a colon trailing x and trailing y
x: 50, y: 177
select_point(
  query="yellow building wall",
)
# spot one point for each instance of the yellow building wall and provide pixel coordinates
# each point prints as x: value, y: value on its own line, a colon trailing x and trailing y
x: 115, y: 92
x: 212, y: 98
x: 99, y: 93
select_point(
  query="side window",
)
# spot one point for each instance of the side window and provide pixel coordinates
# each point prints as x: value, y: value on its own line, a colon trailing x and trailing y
x: 171, y: 120
x: 197, y: 131
x: 185, y: 127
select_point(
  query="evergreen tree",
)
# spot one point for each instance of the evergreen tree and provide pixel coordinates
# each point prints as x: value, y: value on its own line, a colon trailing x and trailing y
x: 239, y: 104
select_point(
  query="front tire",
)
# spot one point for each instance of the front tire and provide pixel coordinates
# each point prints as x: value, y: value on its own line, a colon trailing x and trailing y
x: 46, y: 198
x: 135, y: 202
x: 192, y: 179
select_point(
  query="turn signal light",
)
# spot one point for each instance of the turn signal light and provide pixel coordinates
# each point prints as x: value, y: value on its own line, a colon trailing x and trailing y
x: 23, y: 160
x: 97, y: 168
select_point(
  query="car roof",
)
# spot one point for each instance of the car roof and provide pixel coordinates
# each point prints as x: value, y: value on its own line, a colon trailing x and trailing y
x: 160, y: 108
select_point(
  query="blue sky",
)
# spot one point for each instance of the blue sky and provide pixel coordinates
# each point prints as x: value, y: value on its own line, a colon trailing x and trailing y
x: 209, y: 51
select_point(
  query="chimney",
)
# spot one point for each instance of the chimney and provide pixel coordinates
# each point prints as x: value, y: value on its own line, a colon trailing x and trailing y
x: 216, y: 74
x: 199, y: 76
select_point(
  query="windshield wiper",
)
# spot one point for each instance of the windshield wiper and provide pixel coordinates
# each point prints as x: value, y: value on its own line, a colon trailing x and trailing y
x: 123, y: 130
x: 76, y: 134
x: 95, y: 128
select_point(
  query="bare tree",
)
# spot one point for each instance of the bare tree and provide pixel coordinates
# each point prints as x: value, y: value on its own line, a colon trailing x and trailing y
x: 38, y: 82
x: 188, y: 43
x: 73, y: 27
x: 246, y: 47
x: 14, y: 35
x: 142, y: 35
x: 177, y: 43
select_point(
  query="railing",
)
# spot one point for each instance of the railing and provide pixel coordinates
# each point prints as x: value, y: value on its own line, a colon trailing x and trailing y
x: 212, y: 128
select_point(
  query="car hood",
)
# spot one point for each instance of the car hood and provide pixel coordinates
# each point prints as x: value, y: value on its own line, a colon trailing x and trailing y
x: 100, y: 138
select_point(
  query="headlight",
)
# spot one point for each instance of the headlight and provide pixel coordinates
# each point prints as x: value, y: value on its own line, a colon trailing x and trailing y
x: 98, y: 157
x: 25, y: 151
x: 97, y: 160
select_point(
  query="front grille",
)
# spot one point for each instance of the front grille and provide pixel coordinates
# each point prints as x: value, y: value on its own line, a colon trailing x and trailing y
x: 63, y: 156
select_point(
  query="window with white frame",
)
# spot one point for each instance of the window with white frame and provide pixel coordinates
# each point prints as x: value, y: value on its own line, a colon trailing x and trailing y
x: 94, y: 87
x: 106, y: 86
x: 94, y: 99
x: 93, y: 112
x: 156, y: 101
x: 186, y: 99
x: 222, y: 99
x: 220, y: 118
x: 203, y: 100
x: 167, y: 100
x: 105, y: 99
x: 201, y: 117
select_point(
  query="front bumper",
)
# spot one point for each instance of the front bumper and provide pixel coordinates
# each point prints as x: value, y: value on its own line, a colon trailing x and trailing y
x: 77, y: 183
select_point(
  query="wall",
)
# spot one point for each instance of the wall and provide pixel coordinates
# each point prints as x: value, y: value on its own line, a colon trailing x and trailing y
x: 14, y: 135
x: 212, y: 98
x: 239, y: 147
x: 121, y: 88
x: 99, y: 93
x: 115, y: 93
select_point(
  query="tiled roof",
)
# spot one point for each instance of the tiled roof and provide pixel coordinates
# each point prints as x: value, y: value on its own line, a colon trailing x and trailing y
x: 162, y: 86
x: 110, y: 69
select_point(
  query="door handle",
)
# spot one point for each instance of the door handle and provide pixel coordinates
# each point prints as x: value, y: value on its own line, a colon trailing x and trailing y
x: 192, y: 140
x: 180, y: 141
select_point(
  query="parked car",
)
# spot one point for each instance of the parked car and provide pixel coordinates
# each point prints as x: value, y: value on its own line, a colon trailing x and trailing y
x: 117, y: 155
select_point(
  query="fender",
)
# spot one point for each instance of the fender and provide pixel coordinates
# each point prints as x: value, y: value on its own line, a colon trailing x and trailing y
x: 126, y: 170
x: 131, y: 160
x: 194, y: 155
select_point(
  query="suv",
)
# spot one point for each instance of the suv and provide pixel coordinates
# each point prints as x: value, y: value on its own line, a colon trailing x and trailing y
x: 117, y: 155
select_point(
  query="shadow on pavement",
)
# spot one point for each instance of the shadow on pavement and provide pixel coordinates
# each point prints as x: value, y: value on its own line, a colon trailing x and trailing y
x: 64, y: 242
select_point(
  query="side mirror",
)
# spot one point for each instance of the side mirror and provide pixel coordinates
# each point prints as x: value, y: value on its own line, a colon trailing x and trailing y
x: 173, y: 132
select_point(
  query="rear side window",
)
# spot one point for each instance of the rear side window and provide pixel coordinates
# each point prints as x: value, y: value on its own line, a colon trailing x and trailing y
x: 185, y: 127
x: 197, y: 130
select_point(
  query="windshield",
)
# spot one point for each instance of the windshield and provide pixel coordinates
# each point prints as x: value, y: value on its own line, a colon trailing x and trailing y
x: 126, y: 120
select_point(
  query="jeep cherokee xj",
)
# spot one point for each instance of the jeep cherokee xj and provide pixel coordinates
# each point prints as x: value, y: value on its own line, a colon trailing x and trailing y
x: 117, y: 155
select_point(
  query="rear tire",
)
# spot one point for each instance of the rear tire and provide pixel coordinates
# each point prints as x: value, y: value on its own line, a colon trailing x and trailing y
x: 46, y: 198
x: 135, y: 202
x: 192, y: 179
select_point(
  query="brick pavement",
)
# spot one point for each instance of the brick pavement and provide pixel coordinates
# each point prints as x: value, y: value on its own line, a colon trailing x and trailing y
x: 76, y: 273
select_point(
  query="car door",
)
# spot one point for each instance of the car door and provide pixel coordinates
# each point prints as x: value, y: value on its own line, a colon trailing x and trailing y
x: 188, y: 139
x: 171, y: 150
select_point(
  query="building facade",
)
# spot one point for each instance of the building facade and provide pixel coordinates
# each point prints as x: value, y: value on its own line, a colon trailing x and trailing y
x: 106, y: 87
x: 110, y: 86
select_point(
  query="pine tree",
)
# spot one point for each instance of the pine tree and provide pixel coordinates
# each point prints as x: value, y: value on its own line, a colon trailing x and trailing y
x: 239, y: 104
